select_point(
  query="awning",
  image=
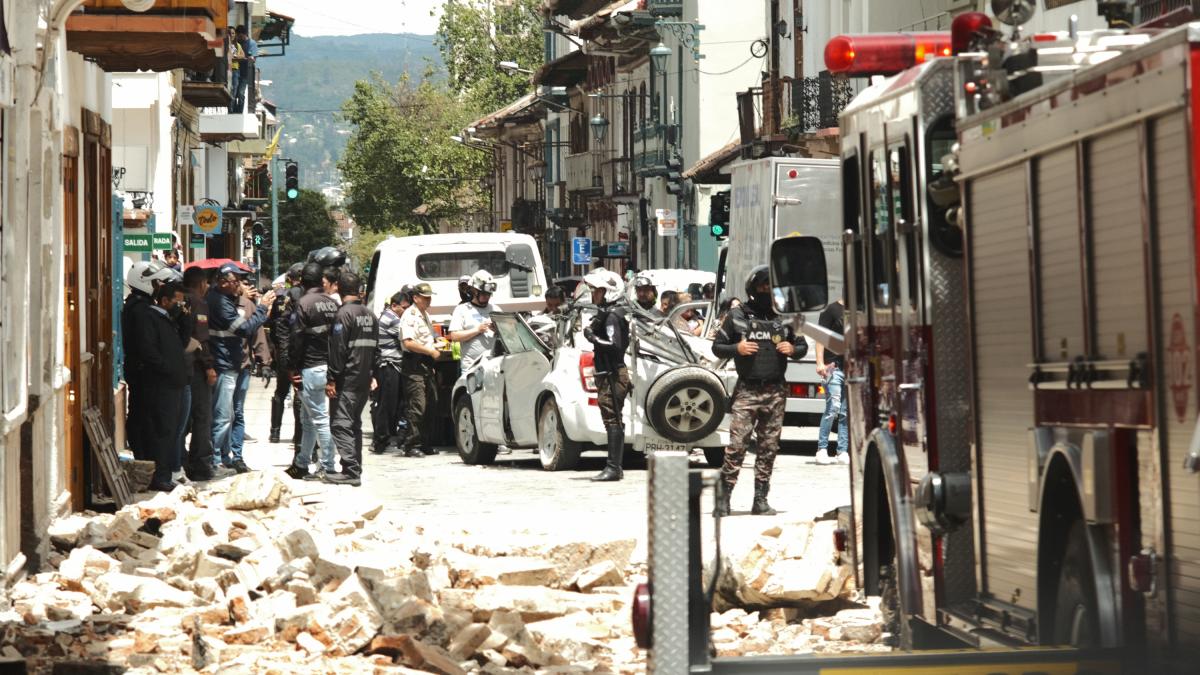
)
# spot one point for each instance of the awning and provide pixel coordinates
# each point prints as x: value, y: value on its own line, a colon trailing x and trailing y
x: 572, y: 8
x: 708, y: 170
x: 525, y: 106
x: 565, y: 71
x: 601, y: 16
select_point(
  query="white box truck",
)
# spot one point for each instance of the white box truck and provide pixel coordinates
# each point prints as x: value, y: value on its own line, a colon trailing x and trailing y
x: 779, y: 197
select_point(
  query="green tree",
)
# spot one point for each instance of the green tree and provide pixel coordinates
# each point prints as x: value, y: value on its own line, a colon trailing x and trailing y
x: 400, y: 156
x: 474, y: 36
x: 304, y: 225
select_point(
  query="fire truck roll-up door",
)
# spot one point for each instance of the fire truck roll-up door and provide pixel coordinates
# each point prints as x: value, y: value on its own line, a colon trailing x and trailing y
x: 1175, y: 278
x: 1000, y: 302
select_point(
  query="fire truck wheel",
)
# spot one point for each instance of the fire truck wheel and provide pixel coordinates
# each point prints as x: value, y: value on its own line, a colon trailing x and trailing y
x: 686, y: 404
x: 715, y: 457
x: 555, y: 450
x: 466, y: 435
x: 1076, y: 614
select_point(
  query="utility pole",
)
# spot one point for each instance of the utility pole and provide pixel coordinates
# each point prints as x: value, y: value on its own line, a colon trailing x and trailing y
x: 274, y: 218
x: 771, y: 86
x: 798, y: 41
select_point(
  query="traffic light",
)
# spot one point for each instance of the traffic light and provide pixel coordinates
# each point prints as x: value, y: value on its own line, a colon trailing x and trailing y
x: 261, y: 238
x: 675, y: 175
x: 718, y: 215
x: 291, y: 173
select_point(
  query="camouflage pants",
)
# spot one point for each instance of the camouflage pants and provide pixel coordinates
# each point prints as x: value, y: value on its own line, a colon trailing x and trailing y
x: 611, y: 391
x: 757, y: 408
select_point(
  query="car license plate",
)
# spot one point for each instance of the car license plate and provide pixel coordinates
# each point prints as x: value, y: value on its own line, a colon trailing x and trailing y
x: 656, y: 445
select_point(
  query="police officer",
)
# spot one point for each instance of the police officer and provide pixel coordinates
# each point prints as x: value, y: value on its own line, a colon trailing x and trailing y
x: 760, y: 345
x: 647, y: 295
x: 308, y: 358
x: 352, y: 344
x: 387, y: 404
x: 471, y: 323
x: 421, y: 349
x: 609, y: 335
x: 143, y: 280
x: 278, y: 324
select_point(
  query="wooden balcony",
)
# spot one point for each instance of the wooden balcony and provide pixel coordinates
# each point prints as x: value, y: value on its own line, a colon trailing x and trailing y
x: 172, y: 34
x: 584, y: 172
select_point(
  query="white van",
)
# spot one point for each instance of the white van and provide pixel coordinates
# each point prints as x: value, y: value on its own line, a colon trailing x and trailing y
x: 440, y: 259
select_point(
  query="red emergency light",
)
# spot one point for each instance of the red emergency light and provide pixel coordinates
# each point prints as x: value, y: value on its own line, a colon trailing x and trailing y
x: 883, y: 54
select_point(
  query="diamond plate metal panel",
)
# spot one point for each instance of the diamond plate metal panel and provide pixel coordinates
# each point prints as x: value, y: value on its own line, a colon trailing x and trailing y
x: 667, y: 501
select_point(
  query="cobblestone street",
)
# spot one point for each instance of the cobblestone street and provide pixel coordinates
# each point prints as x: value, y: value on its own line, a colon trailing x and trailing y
x: 516, y: 494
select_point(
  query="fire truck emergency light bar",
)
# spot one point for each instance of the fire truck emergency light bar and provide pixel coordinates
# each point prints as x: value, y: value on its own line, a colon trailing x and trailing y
x: 890, y: 53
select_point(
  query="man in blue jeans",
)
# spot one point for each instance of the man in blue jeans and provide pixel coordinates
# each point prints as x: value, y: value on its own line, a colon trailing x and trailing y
x: 308, y: 346
x: 227, y: 332
x: 831, y: 367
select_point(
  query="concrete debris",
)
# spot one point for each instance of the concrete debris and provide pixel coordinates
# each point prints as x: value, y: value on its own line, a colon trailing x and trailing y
x: 249, y: 577
x: 781, y: 564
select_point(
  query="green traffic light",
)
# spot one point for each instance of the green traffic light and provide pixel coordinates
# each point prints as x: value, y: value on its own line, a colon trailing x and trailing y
x: 718, y: 230
x: 293, y: 193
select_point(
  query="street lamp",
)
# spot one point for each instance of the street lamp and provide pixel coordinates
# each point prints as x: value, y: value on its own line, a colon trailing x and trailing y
x: 512, y: 67
x: 599, y: 124
x: 659, y: 55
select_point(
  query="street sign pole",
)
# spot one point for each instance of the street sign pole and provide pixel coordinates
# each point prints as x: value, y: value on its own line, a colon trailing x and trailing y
x: 274, y: 220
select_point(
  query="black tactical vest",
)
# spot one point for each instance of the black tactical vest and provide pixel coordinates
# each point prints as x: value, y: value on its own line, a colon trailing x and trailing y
x: 768, y: 364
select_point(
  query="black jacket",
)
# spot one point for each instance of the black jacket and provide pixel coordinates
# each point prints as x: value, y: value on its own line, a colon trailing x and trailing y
x: 279, y: 325
x: 308, y: 334
x: 352, y: 344
x: 198, y: 319
x: 133, y: 314
x: 159, y: 350
x: 609, y: 335
x: 767, y: 366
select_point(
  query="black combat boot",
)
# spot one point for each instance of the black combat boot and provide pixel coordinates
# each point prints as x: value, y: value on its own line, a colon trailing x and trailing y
x: 276, y: 419
x: 616, y: 448
x: 761, y: 507
x: 722, y: 508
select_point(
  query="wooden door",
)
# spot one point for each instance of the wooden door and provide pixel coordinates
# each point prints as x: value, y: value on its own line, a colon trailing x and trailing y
x: 71, y: 345
x: 97, y: 282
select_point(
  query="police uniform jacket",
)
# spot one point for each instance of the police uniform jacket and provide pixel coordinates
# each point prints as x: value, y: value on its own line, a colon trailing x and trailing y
x: 308, y: 339
x: 767, y: 365
x: 198, y: 322
x: 609, y: 335
x: 228, y: 330
x: 353, y: 340
x: 279, y: 324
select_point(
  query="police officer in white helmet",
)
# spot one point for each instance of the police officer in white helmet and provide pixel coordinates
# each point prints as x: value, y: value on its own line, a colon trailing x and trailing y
x: 609, y: 335
x: 471, y: 323
x: 143, y: 279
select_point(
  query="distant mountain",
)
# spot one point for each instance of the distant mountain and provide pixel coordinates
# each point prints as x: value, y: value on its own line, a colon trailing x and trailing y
x: 318, y: 73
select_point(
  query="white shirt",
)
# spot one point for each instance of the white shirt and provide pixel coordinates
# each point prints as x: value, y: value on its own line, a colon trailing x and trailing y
x: 468, y: 316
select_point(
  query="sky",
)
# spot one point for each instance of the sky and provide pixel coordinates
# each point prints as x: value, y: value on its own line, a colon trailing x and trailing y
x: 352, y: 17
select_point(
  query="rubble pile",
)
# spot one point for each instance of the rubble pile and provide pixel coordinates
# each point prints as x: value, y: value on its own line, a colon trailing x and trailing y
x: 247, y: 577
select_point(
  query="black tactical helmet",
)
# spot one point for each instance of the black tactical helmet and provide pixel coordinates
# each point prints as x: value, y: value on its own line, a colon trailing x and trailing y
x: 329, y: 256
x: 757, y: 276
x: 295, y: 270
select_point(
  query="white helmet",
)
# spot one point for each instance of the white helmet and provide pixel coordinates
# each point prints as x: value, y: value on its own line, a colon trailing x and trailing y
x: 482, y: 281
x: 142, y: 276
x: 609, y: 281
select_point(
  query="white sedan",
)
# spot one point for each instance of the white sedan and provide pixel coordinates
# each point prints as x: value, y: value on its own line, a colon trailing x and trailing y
x: 537, y: 390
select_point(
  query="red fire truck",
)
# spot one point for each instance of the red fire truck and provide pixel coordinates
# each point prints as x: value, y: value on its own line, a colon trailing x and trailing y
x: 1021, y: 258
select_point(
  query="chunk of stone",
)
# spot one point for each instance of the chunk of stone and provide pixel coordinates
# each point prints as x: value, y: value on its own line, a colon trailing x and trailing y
x: 518, y: 645
x: 85, y: 562
x: 250, y: 634
x: 259, y: 566
x: 256, y: 490
x: 303, y: 591
x: 417, y: 654
x: 64, y: 532
x: 210, y: 566
x: 299, y: 543
x: 534, y: 603
x: 310, y: 644
x: 604, y: 573
x: 467, y: 641
x: 574, y: 638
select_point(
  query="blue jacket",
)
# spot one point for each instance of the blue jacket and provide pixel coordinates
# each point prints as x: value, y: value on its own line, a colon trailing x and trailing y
x: 228, y: 330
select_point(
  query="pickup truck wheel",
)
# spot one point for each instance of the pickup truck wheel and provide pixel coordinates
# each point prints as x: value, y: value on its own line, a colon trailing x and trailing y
x: 1076, y: 611
x: 466, y: 436
x: 686, y: 404
x: 555, y: 450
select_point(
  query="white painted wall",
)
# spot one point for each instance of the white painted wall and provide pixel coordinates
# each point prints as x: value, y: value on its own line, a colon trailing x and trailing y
x: 142, y: 125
